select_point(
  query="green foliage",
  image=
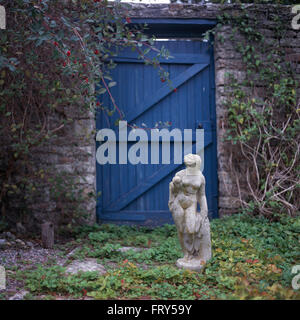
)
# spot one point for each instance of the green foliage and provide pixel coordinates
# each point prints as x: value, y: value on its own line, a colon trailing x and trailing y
x: 161, y: 243
x: 263, y: 119
x: 162, y: 282
x: 52, y: 54
x: 252, y: 259
x: 53, y: 280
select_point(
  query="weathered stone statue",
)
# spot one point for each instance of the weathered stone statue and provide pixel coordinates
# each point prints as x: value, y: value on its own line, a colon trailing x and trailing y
x: 187, y: 189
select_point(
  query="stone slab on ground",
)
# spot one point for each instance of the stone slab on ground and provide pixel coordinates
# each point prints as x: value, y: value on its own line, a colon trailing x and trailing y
x: 85, y: 266
x: 19, y: 295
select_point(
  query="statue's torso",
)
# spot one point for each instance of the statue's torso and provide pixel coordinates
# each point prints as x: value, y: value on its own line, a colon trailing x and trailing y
x: 190, y: 185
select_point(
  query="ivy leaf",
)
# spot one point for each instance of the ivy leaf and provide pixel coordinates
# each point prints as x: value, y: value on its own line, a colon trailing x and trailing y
x: 112, y: 84
x: 102, y: 91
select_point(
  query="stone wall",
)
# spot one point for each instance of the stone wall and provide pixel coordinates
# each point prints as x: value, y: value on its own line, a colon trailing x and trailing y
x: 71, y: 154
x: 69, y: 161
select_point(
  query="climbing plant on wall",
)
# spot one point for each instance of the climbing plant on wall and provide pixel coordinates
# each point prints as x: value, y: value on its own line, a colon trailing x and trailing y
x: 51, y: 55
x: 263, y: 119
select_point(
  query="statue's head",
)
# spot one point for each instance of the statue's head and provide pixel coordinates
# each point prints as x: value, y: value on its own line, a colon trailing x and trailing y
x: 192, y: 161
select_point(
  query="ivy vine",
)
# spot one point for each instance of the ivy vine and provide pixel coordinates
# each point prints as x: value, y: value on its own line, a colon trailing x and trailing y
x: 263, y: 118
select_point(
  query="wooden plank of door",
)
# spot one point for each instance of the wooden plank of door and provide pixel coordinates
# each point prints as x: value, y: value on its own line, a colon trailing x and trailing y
x: 146, y: 184
x: 165, y: 91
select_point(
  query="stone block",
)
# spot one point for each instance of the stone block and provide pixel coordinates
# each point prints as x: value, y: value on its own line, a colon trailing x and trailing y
x: 229, y: 202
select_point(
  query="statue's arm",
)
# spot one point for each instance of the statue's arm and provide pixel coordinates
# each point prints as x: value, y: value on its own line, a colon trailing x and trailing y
x: 202, y: 199
x: 171, y: 195
x: 181, y: 173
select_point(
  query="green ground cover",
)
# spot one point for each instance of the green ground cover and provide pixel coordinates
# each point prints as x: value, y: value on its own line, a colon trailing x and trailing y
x: 252, y: 259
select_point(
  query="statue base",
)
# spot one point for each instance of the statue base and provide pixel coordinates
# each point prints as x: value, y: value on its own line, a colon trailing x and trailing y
x: 191, y: 264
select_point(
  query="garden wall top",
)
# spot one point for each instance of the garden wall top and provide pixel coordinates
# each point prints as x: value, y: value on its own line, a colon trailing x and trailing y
x: 206, y: 11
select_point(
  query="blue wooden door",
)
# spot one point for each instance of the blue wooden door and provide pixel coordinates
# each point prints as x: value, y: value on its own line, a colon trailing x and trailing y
x: 139, y: 193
